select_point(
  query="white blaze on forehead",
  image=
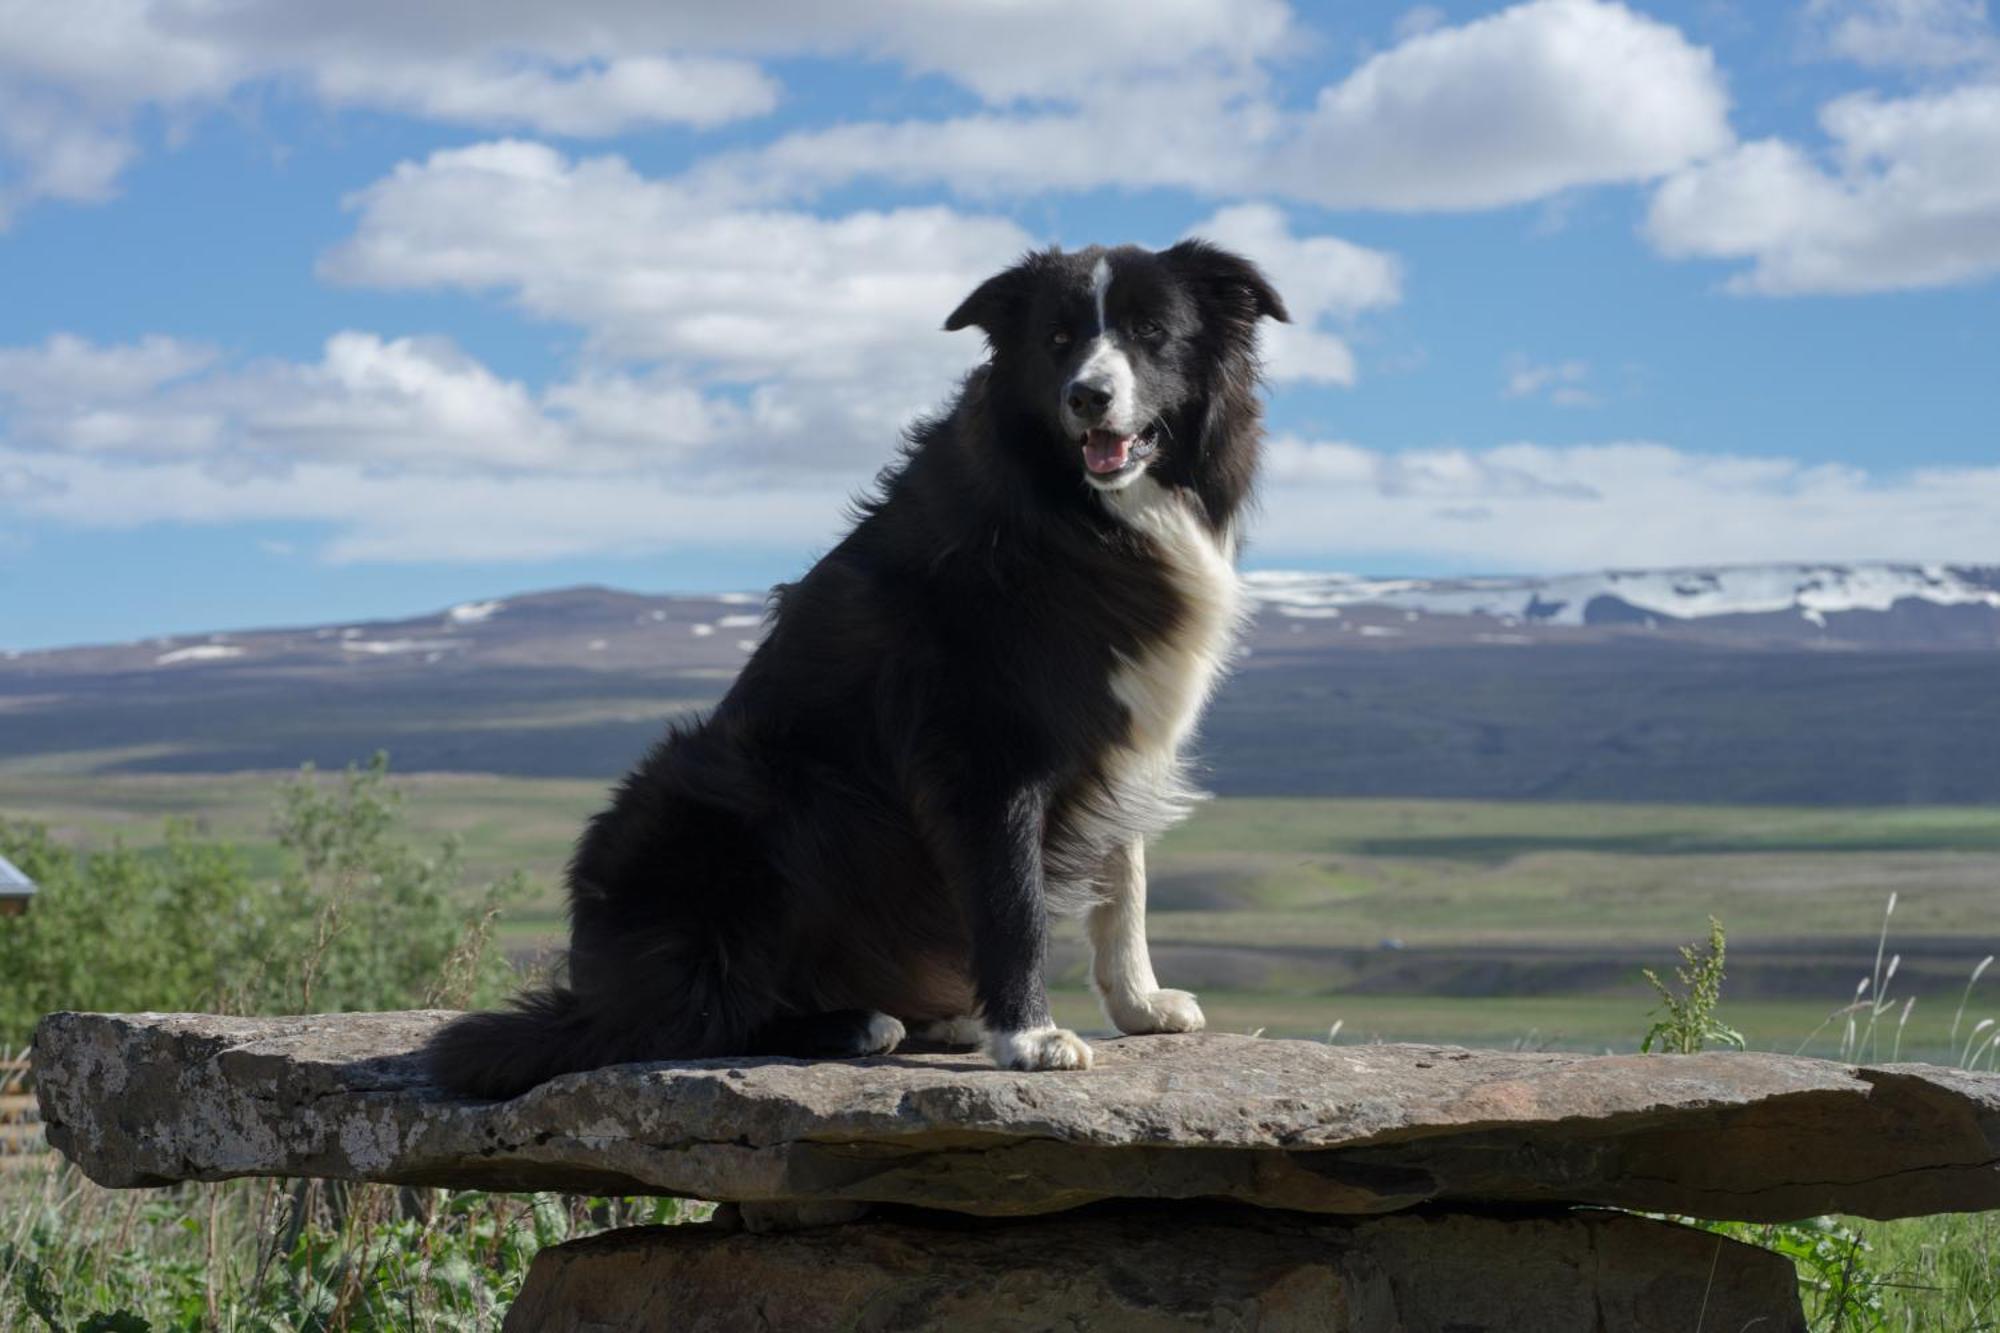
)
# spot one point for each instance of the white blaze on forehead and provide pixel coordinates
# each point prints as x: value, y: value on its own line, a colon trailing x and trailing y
x: 1100, y: 283
x: 1105, y: 366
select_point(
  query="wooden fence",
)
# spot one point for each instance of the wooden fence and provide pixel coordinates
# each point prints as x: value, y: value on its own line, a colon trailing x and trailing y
x: 21, y: 1142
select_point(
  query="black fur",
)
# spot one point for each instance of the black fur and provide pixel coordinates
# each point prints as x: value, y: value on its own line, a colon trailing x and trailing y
x: 871, y: 818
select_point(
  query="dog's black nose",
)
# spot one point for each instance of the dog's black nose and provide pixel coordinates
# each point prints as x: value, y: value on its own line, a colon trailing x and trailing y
x: 1087, y: 401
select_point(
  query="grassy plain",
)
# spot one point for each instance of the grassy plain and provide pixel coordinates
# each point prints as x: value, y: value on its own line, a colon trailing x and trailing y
x: 1447, y: 921
x: 1482, y: 922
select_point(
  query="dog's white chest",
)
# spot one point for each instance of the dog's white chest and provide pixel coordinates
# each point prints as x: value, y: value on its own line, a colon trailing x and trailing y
x: 1164, y: 688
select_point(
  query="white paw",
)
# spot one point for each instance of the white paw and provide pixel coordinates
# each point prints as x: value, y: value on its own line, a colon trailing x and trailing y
x: 964, y: 1030
x: 1157, y: 1011
x: 884, y: 1034
x: 1039, y: 1048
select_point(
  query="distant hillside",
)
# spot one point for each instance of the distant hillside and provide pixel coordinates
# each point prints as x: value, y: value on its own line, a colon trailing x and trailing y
x: 1798, y: 684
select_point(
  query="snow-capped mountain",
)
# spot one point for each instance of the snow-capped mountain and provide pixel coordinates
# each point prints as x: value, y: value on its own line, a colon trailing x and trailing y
x: 1854, y: 684
x: 1614, y: 597
x: 1878, y: 606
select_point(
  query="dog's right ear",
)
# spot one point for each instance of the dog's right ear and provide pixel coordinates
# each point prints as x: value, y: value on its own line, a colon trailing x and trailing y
x: 993, y: 301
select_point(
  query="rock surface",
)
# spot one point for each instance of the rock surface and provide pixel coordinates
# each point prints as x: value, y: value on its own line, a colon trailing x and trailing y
x: 1192, y: 1268
x: 146, y: 1099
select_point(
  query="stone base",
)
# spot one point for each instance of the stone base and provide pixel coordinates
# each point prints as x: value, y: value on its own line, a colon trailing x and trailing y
x: 1175, y: 1267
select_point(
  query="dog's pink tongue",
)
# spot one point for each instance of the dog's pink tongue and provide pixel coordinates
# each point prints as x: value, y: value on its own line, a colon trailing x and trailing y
x: 1104, y: 451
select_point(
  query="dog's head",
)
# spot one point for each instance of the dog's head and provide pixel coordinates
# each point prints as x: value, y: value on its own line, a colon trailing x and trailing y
x: 1122, y: 353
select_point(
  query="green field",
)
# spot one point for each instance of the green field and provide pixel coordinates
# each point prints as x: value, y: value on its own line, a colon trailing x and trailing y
x: 1488, y: 923
x: 1513, y: 925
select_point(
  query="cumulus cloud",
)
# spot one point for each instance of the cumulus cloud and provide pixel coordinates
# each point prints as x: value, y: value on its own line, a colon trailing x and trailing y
x: 1518, y: 506
x: 1544, y: 96
x: 1541, y: 97
x: 591, y: 101
x: 73, y: 79
x: 70, y: 371
x: 656, y: 271
x: 1905, y: 196
x: 1529, y: 506
x: 1906, y: 34
x: 434, y: 515
x: 1324, y: 280
x: 814, y: 338
x: 406, y: 405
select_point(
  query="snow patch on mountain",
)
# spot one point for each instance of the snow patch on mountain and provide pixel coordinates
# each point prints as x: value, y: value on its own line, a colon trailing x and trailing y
x: 396, y: 647
x: 473, y: 613
x: 200, y: 652
x: 1813, y: 591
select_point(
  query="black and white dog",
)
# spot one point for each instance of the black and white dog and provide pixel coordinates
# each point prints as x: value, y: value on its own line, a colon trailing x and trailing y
x: 967, y: 717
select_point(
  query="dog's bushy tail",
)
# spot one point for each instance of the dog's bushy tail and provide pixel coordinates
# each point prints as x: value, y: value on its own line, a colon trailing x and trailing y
x: 505, y: 1052
x: 681, y: 1004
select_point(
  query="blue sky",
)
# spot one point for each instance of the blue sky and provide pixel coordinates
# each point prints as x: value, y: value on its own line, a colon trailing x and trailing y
x: 313, y: 313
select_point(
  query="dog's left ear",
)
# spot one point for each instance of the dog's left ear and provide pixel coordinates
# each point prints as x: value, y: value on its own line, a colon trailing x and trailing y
x: 1236, y: 284
x: 993, y: 301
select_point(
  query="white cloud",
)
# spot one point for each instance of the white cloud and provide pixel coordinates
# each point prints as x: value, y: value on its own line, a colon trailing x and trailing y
x: 373, y: 515
x: 1527, y: 506
x: 1544, y: 96
x: 74, y: 77
x: 655, y: 271
x: 813, y: 339
x: 1323, y: 280
x: 389, y: 404
x: 595, y: 100
x: 1907, y: 196
x: 1540, y: 97
x: 1563, y: 383
x: 68, y: 370
x: 1907, y: 34
x: 1516, y: 507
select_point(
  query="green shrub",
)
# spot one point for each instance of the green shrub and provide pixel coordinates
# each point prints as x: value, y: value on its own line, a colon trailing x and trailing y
x: 357, y: 919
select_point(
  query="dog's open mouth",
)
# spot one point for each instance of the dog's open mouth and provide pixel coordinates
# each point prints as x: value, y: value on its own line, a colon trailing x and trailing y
x: 1106, y: 452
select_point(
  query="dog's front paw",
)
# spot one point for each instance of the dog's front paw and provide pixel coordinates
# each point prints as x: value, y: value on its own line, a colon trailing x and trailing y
x: 1040, y: 1048
x: 1157, y: 1011
x: 964, y: 1031
x: 881, y: 1035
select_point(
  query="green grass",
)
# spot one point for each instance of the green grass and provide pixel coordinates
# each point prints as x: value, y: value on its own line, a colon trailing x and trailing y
x: 1513, y: 908
x: 1299, y: 896
x: 1536, y: 1022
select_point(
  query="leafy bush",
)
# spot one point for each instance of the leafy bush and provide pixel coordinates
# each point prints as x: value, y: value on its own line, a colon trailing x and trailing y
x: 357, y: 919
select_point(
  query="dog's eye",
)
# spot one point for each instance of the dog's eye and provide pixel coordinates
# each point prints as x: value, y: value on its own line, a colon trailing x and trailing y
x: 1058, y: 337
x: 1149, y: 329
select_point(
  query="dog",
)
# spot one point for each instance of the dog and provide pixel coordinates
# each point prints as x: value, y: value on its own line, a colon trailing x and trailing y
x: 966, y: 719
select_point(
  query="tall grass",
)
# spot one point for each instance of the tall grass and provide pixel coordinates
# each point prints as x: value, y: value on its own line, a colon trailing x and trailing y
x: 1938, y: 1274
x: 272, y: 1255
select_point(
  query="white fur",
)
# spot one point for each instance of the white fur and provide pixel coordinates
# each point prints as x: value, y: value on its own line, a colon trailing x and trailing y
x: 1100, y: 284
x: 1121, y: 968
x: 1165, y: 688
x: 1039, y: 1048
x: 962, y: 1031
x: 885, y: 1034
x: 1105, y: 366
x: 1163, y: 691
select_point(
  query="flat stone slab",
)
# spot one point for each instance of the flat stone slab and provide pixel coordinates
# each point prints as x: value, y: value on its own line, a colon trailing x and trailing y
x: 149, y: 1099
x: 1196, y: 1268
